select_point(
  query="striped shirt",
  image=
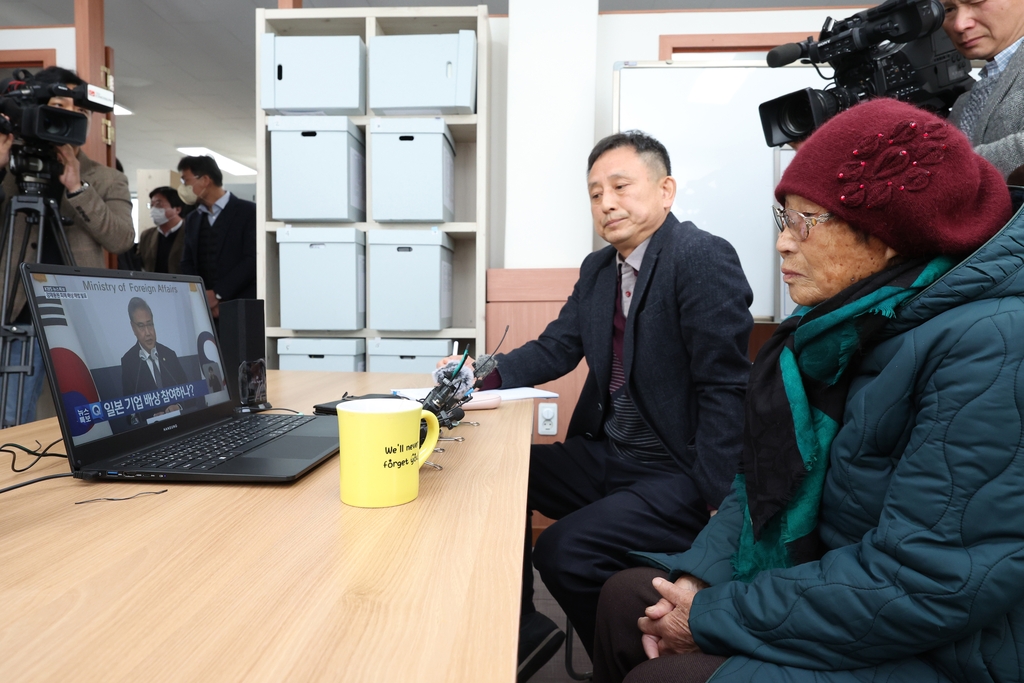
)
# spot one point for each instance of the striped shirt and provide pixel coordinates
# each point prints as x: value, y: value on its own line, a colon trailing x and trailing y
x: 628, y: 433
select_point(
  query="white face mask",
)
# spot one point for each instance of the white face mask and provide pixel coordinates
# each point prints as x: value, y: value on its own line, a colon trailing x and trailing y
x: 158, y: 215
x: 186, y: 194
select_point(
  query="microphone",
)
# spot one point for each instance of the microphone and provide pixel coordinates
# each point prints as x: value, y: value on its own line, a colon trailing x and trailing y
x: 786, y: 54
x: 485, y: 365
x: 454, y: 382
x: 138, y: 375
x: 462, y: 380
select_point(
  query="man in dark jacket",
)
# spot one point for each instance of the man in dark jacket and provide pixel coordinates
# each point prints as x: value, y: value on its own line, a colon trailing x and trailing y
x: 661, y: 317
x: 147, y: 365
x: 220, y: 237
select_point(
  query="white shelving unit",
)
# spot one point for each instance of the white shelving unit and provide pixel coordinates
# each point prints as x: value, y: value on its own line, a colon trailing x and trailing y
x: 469, y: 230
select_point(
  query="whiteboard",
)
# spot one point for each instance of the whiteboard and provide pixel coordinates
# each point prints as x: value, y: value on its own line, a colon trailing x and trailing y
x: 705, y: 113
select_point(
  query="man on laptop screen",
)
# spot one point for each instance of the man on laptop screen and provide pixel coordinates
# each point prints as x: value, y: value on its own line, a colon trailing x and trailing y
x: 104, y: 392
x: 147, y: 365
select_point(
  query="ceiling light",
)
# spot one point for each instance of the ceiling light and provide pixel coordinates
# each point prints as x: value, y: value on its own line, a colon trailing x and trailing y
x: 121, y: 111
x: 227, y: 165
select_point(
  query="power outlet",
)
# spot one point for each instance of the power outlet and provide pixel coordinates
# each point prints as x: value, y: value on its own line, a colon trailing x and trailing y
x: 547, y: 419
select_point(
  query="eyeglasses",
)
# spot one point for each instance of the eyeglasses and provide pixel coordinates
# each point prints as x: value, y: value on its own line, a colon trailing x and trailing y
x: 800, y: 223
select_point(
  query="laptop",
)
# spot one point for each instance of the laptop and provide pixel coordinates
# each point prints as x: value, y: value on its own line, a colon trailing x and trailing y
x: 140, y: 385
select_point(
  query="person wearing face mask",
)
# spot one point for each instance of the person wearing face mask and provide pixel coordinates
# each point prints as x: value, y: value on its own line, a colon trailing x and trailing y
x: 161, y: 248
x: 220, y: 237
x: 97, y: 203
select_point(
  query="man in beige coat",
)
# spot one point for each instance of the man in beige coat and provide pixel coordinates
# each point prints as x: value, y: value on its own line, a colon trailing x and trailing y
x: 96, y: 200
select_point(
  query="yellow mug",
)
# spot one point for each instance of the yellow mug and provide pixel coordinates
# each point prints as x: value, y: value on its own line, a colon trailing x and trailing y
x: 380, y: 450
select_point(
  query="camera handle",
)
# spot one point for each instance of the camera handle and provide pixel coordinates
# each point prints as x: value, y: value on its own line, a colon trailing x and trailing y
x: 40, y: 213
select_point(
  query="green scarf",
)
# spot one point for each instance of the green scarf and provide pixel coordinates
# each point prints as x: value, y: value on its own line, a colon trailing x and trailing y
x: 794, y: 408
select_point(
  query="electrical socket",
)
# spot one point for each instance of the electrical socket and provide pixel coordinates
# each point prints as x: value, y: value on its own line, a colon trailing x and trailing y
x: 547, y: 419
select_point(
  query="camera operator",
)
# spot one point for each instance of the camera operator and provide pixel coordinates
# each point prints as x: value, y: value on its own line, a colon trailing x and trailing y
x: 97, y: 201
x: 992, y: 112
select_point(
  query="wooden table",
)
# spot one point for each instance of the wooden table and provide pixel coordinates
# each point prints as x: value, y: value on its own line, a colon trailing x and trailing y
x: 211, y: 582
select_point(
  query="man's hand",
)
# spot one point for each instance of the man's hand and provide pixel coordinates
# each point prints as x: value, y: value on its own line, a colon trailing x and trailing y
x: 455, y: 359
x: 213, y: 302
x: 666, y: 627
x: 71, y: 177
x: 5, y: 148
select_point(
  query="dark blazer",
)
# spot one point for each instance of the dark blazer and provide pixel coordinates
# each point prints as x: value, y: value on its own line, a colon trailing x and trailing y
x: 685, y: 349
x: 235, y: 230
x: 135, y: 374
x: 149, y: 243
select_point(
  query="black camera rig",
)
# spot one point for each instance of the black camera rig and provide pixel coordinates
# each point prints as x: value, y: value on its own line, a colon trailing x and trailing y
x: 37, y: 127
x: 893, y: 50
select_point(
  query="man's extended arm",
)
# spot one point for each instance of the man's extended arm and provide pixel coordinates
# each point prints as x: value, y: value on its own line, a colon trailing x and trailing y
x: 1005, y: 154
x: 556, y: 352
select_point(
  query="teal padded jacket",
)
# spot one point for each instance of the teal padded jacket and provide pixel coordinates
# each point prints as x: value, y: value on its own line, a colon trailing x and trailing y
x: 922, y: 510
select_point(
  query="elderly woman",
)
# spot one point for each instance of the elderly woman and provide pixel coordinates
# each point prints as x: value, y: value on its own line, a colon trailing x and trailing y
x: 876, y: 532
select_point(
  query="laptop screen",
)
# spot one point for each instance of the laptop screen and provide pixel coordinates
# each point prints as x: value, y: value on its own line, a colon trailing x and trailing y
x: 127, y: 353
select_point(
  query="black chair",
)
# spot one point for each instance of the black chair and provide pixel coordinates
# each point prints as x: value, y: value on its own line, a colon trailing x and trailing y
x: 573, y: 674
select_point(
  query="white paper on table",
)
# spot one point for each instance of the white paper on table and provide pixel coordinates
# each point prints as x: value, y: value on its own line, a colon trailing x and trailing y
x: 418, y: 394
x: 516, y: 394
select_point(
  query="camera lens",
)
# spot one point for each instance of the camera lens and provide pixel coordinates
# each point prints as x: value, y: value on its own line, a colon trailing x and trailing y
x: 797, y: 118
x: 55, y: 126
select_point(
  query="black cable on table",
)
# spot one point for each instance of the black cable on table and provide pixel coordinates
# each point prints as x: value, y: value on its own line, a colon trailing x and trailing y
x: 35, y: 481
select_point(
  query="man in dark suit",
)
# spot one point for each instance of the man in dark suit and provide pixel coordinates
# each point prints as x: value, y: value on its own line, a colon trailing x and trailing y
x: 220, y: 237
x: 661, y: 317
x: 148, y: 365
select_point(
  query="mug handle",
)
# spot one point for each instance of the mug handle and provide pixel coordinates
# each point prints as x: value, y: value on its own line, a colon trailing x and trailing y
x: 433, y: 431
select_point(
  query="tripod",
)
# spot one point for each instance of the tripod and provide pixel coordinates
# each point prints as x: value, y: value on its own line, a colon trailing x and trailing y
x: 42, y: 216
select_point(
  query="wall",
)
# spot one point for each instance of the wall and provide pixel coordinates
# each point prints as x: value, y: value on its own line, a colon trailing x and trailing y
x: 59, y: 38
x: 550, y: 131
x: 543, y: 80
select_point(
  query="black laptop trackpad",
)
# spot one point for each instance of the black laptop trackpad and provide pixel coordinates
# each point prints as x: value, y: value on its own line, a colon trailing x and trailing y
x: 297, y: 447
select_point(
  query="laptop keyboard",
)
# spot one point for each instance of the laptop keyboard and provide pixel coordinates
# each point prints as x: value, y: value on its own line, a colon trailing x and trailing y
x: 213, y: 447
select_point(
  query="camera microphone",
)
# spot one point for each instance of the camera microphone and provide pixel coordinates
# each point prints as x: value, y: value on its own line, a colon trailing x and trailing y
x: 485, y: 365
x: 462, y: 382
x: 786, y: 54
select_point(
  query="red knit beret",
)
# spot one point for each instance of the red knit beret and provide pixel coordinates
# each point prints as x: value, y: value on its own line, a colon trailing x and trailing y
x: 902, y: 174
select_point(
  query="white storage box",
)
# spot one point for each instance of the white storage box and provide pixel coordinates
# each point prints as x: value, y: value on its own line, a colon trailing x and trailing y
x: 325, y: 355
x: 292, y: 72
x: 317, y: 169
x: 423, y: 74
x: 405, y: 355
x: 413, y: 170
x: 410, y: 279
x: 323, y: 278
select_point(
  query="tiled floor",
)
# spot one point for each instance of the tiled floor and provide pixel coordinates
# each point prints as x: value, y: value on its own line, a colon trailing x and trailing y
x: 554, y: 670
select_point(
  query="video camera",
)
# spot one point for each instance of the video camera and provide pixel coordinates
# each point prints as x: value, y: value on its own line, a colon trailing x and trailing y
x: 33, y: 121
x: 893, y: 50
x: 37, y: 127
